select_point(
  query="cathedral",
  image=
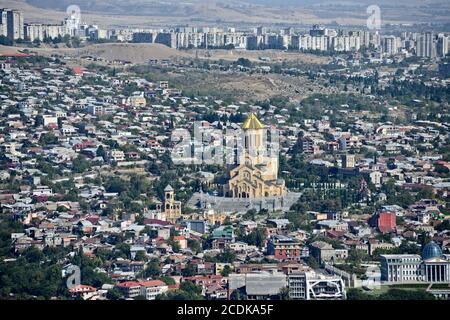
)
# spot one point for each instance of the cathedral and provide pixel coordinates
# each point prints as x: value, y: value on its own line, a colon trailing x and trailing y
x: 256, y: 175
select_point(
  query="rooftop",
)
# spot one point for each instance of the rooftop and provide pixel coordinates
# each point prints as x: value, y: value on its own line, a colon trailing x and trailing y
x: 252, y: 123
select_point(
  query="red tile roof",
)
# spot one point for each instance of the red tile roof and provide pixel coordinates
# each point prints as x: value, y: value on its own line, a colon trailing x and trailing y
x: 128, y: 284
x: 82, y: 288
x: 151, y: 283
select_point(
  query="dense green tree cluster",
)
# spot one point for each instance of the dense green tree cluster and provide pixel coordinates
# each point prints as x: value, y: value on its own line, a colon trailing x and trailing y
x: 33, y: 275
x: 391, y: 294
x: 226, y: 256
x: 89, y: 276
x: 404, y: 248
x: 187, y: 291
x: 153, y: 269
x: 254, y: 238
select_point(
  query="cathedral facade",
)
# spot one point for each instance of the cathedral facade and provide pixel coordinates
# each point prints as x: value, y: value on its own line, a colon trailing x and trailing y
x: 256, y: 175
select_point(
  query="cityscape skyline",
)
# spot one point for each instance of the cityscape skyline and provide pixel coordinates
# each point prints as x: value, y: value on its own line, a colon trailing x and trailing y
x: 223, y: 161
x: 319, y: 38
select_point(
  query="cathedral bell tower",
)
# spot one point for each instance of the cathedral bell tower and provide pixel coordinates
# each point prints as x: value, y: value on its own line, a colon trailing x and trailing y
x: 254, y: 143
x: 169, y: 209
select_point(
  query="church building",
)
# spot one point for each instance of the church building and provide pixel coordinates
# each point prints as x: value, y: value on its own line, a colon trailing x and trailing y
x: 256, y: 175
x: 170, y: 209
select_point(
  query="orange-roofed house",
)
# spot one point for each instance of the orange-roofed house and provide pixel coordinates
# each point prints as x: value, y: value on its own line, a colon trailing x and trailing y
x: 181, y: 241
x: 129, y: 289
x: 151, y: 288
x: 83, y: 291
x: 174, y: 286
x: 206, y: 280
x: 78, y: 71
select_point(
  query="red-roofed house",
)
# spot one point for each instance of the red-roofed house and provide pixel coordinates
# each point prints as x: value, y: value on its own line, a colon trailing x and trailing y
x: 206, y: 280
x: 78, y: 71
x: 145, y: 288
x: 83, y: 291
x: 181, y: 240
x: 387, y: 222
x: 129, y: 289
x: 151, y: 288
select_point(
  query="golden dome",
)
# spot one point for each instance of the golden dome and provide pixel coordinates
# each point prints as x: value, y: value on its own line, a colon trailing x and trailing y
x: 252, y: 122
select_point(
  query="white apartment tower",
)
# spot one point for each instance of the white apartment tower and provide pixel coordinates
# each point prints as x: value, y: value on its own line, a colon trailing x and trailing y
x: 11, y: 24
x: 442, y: 46
x: 426, y: 45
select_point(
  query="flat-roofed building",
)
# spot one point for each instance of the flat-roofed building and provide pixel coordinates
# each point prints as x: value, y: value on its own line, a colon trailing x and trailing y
x: 311, y: 285
x: 431, y: 267
x: 284, y: 248
x: 259, y: 285
x: 401, y: 268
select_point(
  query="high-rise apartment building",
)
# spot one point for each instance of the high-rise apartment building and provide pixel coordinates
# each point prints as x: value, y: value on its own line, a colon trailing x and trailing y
x: 3, y: 23
x: 442, y: 46
x: 390, y: 45
x: 11, y: 24
x: 426, y: 46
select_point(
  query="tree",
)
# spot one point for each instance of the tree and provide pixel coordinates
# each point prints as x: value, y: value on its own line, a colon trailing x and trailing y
x: 140, y: 256
x: 191, y: 287
x: 188, y: 271
x: 227, y: 256
x: 175, y: 245
x: 80, y: 164
x: 445, y: 225
x: 254, y: 238
x: 358, y: 294
x: 188, y: 291
x: 194, y: 245
x: 399, y: 294
x: 238, y: 294
x: 153, y: 269
x: 356, y: 256
x: 5, y: 41
x: 76, y: 42
x: 123, y: 250
x: 226, y: 271
x: 284, y: 294
x: 167, y: 280
x: 313, y: 263
x: 178, y: 295
x: 101, y: 152
x: 39, y: 121
x: 33, y: 255
x: 244, y: 62
x: 250, y: 214
x: 114, y: 294
x: 48, y: 139
x: 32, y: 276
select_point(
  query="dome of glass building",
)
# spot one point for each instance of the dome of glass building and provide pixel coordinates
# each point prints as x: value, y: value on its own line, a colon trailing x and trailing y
x: 431, y: 250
